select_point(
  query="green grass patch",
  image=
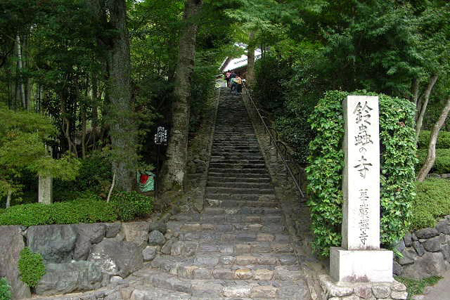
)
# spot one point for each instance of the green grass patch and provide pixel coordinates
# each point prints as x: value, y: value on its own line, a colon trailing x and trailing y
x: 90, y: 209
x: 431, y: 203
x: 417, y: 287
x: 442, y: 163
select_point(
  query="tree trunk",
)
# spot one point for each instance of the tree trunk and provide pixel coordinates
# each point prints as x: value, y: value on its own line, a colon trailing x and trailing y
x: 94, y: 100
x: 250, y: 78
x: 83, y: 130
x: 20, y: 70
x: 415, y: 91
x: 423, y: 109
x: 123, y: 128
x: 175, y: 165
x: 432, y: 146
x: 8, y: 199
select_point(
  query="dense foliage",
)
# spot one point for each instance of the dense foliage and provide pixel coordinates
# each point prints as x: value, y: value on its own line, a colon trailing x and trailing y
x: 442, y: 163
x: 443, y: 141
x: 327, y: 162
x: 432, y: 202
x: 91, y: 209
x: 5, y: 290
x: 132, y: 205
x: 31, y: 267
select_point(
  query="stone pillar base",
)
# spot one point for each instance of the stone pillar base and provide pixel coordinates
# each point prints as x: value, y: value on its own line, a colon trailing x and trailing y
x: 361, y: 265
x: 361, y: 290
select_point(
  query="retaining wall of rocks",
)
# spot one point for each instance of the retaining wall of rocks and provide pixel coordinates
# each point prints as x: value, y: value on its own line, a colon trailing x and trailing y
x: 81, y: 257
x: 426, y: 252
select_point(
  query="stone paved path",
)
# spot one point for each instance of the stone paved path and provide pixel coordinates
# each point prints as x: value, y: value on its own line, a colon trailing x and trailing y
x: 238, y: 247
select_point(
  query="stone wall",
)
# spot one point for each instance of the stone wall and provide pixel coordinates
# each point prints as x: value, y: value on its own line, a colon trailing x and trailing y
x: 81, y: 257
x: 426, y: 252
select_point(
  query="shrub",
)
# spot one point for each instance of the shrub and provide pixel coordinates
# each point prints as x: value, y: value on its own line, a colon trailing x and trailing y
x: 5, y: 290
x: 132, y: 205
x: 77, y: 211
x: 431, y: 203
x: 398, y: 157
x: 443, y: 141
x: 442, y: 163
x: 31, y: 267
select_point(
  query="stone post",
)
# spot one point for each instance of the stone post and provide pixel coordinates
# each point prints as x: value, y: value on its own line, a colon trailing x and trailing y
x: 45, y: 189
x: 360, y: 258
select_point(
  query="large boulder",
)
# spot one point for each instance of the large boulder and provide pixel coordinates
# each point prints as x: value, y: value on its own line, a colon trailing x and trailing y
x: 55, y: 242
x: 11, y: 243
x: 430, y: 264
x: 70, y: 277
x: 88, y: 234
x: 117, y: 257
x: 136, y: 232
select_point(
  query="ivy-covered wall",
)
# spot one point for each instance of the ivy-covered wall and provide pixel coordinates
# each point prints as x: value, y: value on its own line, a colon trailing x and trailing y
x: 326, y: 163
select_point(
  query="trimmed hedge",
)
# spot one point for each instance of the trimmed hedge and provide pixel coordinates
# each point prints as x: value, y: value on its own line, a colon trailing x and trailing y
x: 132, y: 205
x: 432, y: 202
x: 443, y: 141
x: 5, y: 290
x: 125, y: 207
x: 398, y: 158
x: 442, y: 163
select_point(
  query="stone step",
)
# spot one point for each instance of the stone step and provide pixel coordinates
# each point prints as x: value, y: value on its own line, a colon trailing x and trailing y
x: 222, y: 289
x: 233, y: 238
x: 227, y: 289
x: 239, y: 190
x: 237, y: 156
x: 239, y: 203
x: 176, y: 226
x: 243, y: 267
x: 220, y: 179
x: 280, y: 244
x: 263, y: 196
x: 243, y: 173
x: 270, y: 244
x: 237, y: 166
x: 223, y: 218
x: 244, y: 185
x: 242, y: 210
x: 225, y: 161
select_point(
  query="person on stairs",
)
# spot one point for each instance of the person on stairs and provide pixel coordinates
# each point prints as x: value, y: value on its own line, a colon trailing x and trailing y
x: 238, y: 81
x: 232, y: 77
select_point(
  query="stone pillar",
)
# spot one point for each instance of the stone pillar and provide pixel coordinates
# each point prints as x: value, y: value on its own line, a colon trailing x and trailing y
x: 45, y: 189
x: 360, y: 258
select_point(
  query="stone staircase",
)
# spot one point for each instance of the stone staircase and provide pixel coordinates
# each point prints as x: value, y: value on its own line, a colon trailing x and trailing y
x: 238, y: 247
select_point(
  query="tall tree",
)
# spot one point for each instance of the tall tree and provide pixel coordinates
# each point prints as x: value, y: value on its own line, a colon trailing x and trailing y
x: 175, y: 167
x: 123, y: 128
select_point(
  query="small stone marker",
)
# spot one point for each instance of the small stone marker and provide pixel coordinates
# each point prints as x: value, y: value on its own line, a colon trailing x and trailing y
x: 360, y: 258
x: 45, y: 192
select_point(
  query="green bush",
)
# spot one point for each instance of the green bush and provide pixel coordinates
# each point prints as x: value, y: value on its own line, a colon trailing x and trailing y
x: 432, y: 202
x: 442, y: 143
x: 442, y: 163
x: 5, y: 290
x: 398, y: 157
x: 77, y: 211
x: 31, y: 267
x: 132, y: 205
